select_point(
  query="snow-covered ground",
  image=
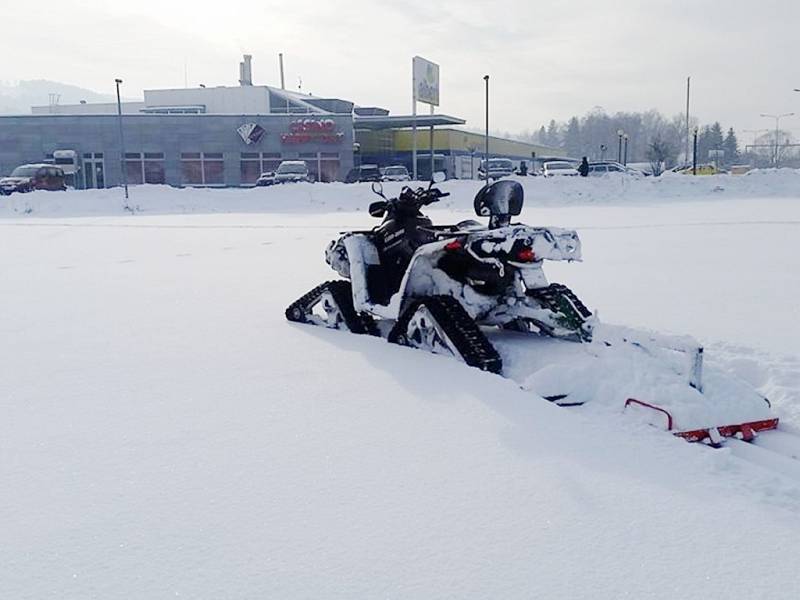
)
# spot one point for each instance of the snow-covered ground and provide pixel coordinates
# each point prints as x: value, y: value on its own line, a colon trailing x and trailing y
x: 166, y: 433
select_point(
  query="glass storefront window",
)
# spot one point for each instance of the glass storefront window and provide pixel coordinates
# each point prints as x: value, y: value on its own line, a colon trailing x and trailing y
x: 144, y: 168
x: 154, y: 171
x: 250, y: 171
x: 329, y: 169
x: 202, y: 168
x: 133, y: 169
x: 214, y: 171
x: 191, y: 172
x: 253, y: 164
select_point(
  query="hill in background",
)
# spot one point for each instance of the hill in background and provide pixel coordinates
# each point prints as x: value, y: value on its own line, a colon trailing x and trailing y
x: 18, y: 97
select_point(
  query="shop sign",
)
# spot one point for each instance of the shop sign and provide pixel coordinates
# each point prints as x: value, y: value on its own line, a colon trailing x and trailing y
x: 312, y: 131
x: 426, y: 81
x: 251, y: 133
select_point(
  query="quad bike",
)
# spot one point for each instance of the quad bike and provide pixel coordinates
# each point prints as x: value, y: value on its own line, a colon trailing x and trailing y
x: 433, y: 287
x: 480, y: 295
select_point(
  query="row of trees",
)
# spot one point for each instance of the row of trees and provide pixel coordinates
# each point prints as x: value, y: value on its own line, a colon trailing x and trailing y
x: 651, y: 137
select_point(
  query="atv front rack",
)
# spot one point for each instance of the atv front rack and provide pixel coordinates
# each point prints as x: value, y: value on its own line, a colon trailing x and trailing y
x: 713, y: 436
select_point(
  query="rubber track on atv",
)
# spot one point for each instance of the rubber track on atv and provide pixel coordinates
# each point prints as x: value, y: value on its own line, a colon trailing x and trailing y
x: 342, y: 293
x: 460, y: 328
x: 551, y: 297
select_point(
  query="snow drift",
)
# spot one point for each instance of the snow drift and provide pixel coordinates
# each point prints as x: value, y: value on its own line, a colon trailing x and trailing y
x: 165, y: 432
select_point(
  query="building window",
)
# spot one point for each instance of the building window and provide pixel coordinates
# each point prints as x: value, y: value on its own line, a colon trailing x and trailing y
x: 202, y: 168
x: 329, y: 166
x: 250, y: 167
x: 144, y: 168
x: 254, y: 163
x: 323, y: 166
x: 312, y: 160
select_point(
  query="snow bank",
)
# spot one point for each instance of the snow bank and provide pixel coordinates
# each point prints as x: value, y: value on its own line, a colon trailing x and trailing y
x: 611, y: 189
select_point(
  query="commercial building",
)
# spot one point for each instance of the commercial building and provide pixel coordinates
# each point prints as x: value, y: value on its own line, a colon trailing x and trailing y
x: 228, y: 136
x: 456, y: 152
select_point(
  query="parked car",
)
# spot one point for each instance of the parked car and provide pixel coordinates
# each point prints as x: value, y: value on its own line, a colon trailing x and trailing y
x: 292, y: 171
x: 27, y: 178
x: 602, y: 167
x: 559, y: 168
x: 396, y: 173
x: 363, y: 173
x: 265, y: 179
x: 498, y: 167
x: 707, y: 169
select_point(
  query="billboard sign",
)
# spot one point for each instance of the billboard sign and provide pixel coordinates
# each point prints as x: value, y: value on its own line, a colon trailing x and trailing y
x: 426, y: 81
x: 251, y: 133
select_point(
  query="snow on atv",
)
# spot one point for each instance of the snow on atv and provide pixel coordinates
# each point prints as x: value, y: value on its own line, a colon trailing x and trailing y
x: 480, y: 294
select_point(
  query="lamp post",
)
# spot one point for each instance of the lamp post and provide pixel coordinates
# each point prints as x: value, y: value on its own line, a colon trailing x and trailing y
x: 625, y: 160
x: 777, y: 132
x: 620, y: 133
x: 122, y: 145
x: 486, y: 165
x: 694, y: 152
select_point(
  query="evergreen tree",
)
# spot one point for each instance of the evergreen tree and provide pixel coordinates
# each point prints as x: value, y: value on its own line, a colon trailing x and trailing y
x: 716, y: 139
x: 572, y: 139
x: 731, y: 147
x: 553, y: 134
x: 541, y: 136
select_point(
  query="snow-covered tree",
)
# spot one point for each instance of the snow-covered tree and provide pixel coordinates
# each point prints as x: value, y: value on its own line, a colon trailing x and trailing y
x: 658, y: 153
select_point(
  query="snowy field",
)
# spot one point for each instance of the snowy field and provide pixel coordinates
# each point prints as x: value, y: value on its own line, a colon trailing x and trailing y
x: 166, y: 433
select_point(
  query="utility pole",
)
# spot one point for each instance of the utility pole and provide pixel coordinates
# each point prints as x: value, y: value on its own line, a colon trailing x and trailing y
x: 625, y: 160
x: 122, y: 145
x: 413, y: 122
x: 688, y: 83
x: 486, y: 164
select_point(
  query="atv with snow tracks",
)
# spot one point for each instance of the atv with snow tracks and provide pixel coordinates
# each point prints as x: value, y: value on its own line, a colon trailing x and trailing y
x: 480, y: 295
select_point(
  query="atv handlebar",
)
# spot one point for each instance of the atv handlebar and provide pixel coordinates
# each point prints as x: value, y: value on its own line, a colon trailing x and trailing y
x: 421, y: 196
x: 409, y: 201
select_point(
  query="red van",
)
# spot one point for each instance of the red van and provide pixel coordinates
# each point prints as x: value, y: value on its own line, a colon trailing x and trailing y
x: 27, y: 178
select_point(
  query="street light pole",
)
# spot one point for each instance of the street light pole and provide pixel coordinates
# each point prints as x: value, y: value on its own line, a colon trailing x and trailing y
x: 486, y: 164
x: 694, y: 153
x: 122, y: 144
x: 777, y: 132
x: 620, y: 133
x: 688, y: 85
x: 625, y: 161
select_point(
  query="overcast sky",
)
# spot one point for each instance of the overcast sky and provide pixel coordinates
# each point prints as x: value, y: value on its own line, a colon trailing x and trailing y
x: 546, y: 59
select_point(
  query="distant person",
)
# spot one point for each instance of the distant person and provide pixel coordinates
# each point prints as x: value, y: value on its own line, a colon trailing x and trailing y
x: 583, y: 169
